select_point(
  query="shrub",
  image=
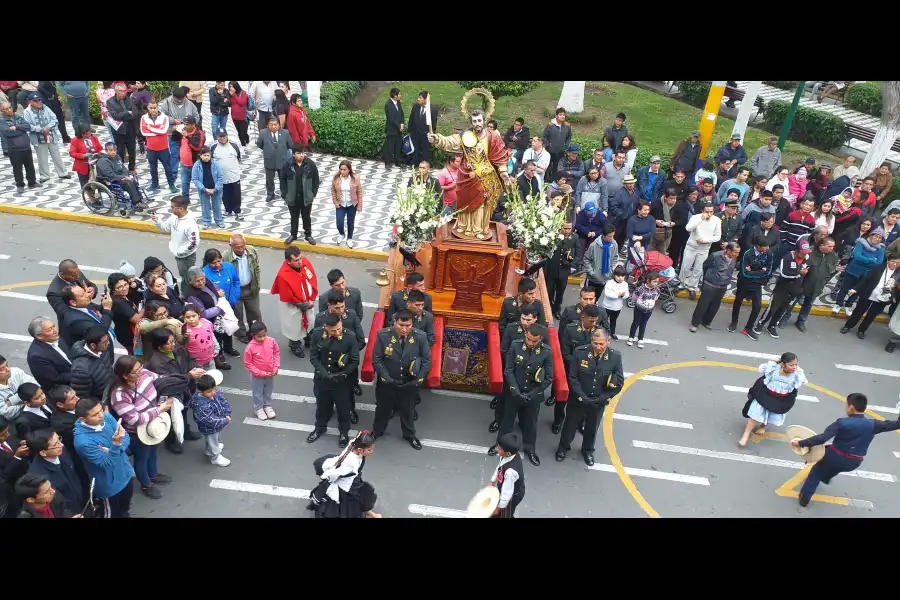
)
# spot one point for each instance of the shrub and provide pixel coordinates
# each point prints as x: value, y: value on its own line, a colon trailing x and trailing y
x: 348, y: 132
x: 502, y: 88
x: 337, y: 94
x: 580, y: 119
x: 813, y: 127
x: 864, y: 97
x: 694, y: 92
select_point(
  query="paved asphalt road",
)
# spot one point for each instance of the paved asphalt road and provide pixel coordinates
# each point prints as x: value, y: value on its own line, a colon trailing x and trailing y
x: 675, y: 431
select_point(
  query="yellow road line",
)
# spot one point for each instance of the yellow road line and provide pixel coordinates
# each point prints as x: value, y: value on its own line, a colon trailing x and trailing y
x: 16, y: 286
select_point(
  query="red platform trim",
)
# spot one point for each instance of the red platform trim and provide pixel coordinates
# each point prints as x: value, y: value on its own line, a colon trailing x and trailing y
x: 560, y: 377
x: 495, y: 361
x: 368, y: 371
x: 437, y: 352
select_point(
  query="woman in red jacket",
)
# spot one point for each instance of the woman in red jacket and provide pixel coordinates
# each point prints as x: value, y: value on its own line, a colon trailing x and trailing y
x: 81, y: 147
x: 298, y: 125
x: 239, y: 105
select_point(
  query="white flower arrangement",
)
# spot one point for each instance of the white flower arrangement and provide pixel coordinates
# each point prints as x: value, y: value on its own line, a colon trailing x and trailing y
x: 534, y: 223
x: 416, y: 214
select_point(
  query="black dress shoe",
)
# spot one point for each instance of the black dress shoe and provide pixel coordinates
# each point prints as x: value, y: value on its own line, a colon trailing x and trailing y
x: 174, y: 446
x: 804, y: 502
x: 533, y: 458
x: 845, y: 329
x: 242, y: 338
x: 550, y: 401
x: 190, y: 434
x: 376, y: 435
x: 307, y: 341
x: 354, y: 417
x: 861, y: 335
x: 414, y: 442
x: 589, y: 460
x: 233, y: 353
x: 310, y: 240
x: 494, y: 427
x: 889, y: 347
x: 494, y: 403
x: 357, y: 389
x: 492, y: 451
x: 343, y: 440
x: 298, y: 352
x: 555, y: 428
x: 312, y: 437
x: 289, y: 240
x: 560, y: 456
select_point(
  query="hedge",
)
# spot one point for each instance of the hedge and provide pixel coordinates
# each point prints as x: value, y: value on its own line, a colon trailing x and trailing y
x: 502, y: 88
x: 864, y: 97
x: 812, y: 127
x: 336, y: 95
x: 695, y: 92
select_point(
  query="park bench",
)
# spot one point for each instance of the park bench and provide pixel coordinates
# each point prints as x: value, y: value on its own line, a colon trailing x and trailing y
x: 865, y: 134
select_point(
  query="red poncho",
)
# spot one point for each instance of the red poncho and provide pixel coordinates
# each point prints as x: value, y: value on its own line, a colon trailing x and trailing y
x: 291, y: 286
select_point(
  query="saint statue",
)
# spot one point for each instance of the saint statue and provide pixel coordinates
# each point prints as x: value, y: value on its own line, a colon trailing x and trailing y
x: 482, y: 175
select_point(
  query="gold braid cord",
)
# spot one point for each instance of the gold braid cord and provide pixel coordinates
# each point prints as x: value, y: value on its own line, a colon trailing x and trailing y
x: 492, y: 104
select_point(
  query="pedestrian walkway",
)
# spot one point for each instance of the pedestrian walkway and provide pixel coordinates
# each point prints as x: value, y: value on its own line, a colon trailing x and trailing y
x: 372, y: 230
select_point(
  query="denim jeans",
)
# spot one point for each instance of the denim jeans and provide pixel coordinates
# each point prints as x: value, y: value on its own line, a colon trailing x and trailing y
x: 185, y: 181
x: 144, y: 461
x: 153, y: 158
x: 805, y: 309
x: 216, y: 201
x: 350, y: 213
x: 174, y: 163
x: 218, y: 122
x: 78, y: 111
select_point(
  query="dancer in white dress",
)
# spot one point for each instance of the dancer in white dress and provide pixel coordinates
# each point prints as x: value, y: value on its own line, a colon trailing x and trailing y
x: 773, y: 395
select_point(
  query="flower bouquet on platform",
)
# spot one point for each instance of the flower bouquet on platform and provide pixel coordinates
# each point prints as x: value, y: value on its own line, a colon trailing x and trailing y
x: 534, y: 225
x: 416, y: 215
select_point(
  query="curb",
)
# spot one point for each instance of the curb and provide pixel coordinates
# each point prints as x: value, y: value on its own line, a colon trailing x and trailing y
x: 119, y: 223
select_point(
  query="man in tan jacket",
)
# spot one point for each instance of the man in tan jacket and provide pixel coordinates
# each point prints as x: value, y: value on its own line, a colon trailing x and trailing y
x: 195, y: 95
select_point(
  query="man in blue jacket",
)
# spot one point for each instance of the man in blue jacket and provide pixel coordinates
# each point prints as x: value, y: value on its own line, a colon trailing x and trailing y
x: 50, y: 461
x: 15, y: 132
x: 852, y: 435
x: 651, y: 181
x: 755, y: 270
x: 733, y: 153
x: 76, y: 93
x: 101, y: 443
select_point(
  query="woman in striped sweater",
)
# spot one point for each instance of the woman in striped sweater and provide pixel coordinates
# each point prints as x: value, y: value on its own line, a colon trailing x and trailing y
x: 133, y: 399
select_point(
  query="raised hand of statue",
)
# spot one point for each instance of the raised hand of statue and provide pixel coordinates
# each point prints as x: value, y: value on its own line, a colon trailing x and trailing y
x: 431, y: 138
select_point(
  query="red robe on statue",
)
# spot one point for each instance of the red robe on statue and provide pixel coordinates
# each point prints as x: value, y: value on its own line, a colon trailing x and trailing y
x: 470, y: 192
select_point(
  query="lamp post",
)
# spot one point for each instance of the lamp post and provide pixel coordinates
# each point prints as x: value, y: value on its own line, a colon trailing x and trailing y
x: 710, y: 114
x: 790, y: 115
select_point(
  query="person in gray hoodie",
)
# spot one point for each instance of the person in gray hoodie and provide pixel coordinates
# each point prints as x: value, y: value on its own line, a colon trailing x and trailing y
x: 754, y: 210
x: 766, y: 159
x: 603, y: 252
x: 76, y: 93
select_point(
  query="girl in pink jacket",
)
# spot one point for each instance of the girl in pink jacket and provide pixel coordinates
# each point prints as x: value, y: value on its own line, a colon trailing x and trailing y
x: 797, y: 186
x: 262, y: 360
x: 201, y: 345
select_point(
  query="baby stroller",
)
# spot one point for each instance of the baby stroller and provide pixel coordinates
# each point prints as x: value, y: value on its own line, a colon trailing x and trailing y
x: 640, y: 262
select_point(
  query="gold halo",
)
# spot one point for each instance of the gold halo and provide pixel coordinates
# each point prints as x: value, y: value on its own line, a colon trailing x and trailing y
x: 492, y: 104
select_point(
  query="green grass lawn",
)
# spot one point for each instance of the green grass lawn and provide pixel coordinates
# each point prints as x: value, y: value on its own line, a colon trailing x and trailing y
x: 657, y: 123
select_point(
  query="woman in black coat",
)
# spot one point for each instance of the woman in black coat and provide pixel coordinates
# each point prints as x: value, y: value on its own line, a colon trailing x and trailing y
x: 204, y: 295
x: 158, y: 291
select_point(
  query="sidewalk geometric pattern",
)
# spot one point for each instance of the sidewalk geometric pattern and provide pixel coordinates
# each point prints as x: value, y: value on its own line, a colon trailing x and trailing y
x: 371, y: 230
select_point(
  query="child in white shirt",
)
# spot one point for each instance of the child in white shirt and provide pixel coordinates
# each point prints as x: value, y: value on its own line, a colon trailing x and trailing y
x: 614, y: 293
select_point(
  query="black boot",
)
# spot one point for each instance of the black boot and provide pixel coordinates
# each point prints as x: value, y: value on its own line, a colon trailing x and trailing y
x: 889, y: 347
x: 221, y: 364
x: 190, y: 434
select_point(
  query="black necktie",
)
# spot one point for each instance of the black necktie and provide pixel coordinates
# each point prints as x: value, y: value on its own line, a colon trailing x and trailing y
x: 402, y: 344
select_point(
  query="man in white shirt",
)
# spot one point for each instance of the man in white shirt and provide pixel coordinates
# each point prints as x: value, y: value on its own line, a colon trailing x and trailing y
x: 540, y: 156
x: 704, y: 229
x: 184, y: 235
x: 10, y: 380
x: 228, y: 157
x: 262, y: 93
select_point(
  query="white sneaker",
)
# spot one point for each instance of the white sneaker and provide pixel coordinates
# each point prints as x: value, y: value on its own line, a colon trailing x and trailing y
x: 220, y: 461
x: 630, y: 342
x: 640, y: 344
x: 350, y: 243
x: 836, y: 310
x: 338, y: 239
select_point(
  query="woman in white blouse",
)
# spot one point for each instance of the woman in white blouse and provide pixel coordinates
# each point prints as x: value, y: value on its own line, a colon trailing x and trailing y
x: 824, y: 215
x: 781, y: 178
x: 347, y: 196
x: 630, y: 148
x: 773, y: 395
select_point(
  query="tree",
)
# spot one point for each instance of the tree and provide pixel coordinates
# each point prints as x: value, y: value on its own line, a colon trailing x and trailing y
x: 888, y: 131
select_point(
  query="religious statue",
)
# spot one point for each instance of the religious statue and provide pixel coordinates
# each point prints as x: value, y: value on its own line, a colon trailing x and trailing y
x: 482, y: 175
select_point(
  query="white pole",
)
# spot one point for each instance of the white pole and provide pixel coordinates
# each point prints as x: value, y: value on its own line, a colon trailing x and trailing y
x: 572, y: 97
x: 313, y: 93
x: 740, y: 125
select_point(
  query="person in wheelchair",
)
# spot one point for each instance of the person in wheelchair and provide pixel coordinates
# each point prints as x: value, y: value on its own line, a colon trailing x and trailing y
x: 111, y: 170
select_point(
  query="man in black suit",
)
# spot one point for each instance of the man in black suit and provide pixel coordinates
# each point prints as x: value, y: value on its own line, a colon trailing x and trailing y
x: 48, y: 363
x: 418, y: 129
x: 51, y: 461
x: 63, y: 400
x: 80, y: 315
x: 69, y: 274
x: 35, y: 415
x: 393, y: 130
x: 13, y: 464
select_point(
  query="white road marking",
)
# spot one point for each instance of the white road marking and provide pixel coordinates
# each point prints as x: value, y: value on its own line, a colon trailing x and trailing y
x: 746, y: 353
x: 650, y: 421
x: 256, y: 488
x: 743, y: 390
x: 24, y: 297
x: 671, y: 380
x: 437, y: 511
x: 749, y: 458
x: 48, y: 263
x: 4, y: 256
x: 655, y: 342
x: 654, y: 474
x: 26, y: 338
x: 288, y: 397
x: 365, y: 304
x: 889, y: 409
x: 869, y: 370
x: 459, y: 394
x: 307, y: 375
x: 897, y: 454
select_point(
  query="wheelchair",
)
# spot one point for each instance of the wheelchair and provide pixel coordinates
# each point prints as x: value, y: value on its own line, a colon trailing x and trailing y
x: 104, y: 198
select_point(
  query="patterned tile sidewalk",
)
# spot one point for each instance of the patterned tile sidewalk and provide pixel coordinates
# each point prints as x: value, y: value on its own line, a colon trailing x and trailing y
x: 372, y: 229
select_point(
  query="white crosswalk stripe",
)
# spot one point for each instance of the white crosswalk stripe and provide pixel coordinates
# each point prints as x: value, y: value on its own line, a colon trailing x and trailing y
x: 21, y: 296
x: 655, y: 342
x: 4, y: 256
x: 26, y: 338
x: 256, y: 488
x: 747, y: 353
x: 654, y: 474
x: 750, y: 458
x: 48, y: 263
x: 288, y: 397
x: 437, y: 511
x: 650, y: 421
x: 869, y: 370
x: 655, y: 378
x: 897, y: 454
x: 743, y: 390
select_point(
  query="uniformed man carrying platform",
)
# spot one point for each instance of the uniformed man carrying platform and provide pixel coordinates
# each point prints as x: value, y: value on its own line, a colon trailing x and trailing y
x: 573, y: 336
x: 335, y: 357
x: 414, y: 281
x: 528, y: 372
x: 349, y: 320
x: 509, y: 312
x: 423, y: 321
x: 571, y: 314
x: 595, y: 377
x: 513, y: 332
x: 401, y: 359
x: 352, y: 296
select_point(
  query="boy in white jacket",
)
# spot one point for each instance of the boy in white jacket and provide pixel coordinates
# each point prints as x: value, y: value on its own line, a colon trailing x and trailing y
x: 184, y: 235
x: 704, y: 229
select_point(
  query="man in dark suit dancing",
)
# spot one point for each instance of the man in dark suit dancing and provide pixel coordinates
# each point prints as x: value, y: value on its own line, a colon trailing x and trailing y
x: 393, y: 130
